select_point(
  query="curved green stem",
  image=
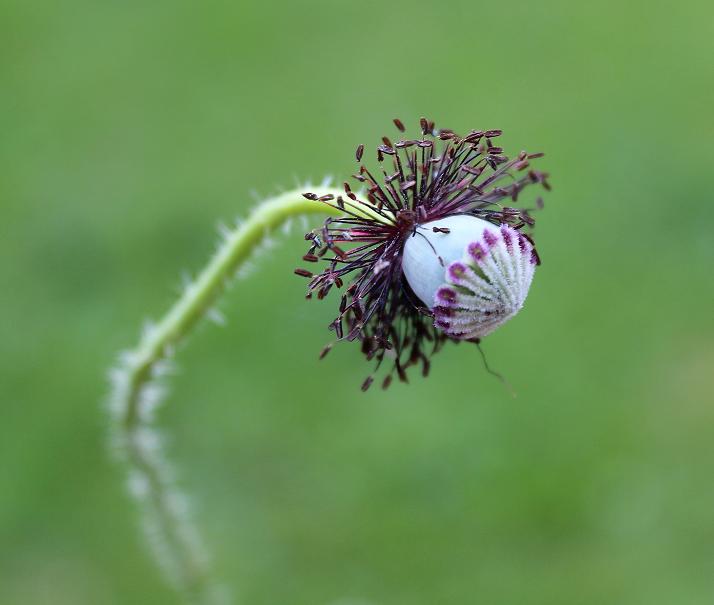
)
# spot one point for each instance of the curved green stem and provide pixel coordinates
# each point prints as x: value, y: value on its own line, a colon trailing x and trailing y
x: 200, y: 296
x: 135, y: 392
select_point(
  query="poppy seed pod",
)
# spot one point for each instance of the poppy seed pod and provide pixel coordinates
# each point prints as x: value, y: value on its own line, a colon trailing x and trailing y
x: 472, y: 274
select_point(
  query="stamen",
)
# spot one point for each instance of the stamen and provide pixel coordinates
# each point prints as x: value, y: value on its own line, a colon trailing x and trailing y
x: 429, y: 181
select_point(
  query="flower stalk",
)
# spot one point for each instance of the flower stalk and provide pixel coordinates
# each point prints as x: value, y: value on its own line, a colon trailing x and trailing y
x: 136, y: 392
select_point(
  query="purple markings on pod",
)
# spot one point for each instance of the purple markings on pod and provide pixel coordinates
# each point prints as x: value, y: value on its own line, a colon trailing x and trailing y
x: 446, y: 295
x: 476, y: 251
x: 457, y: 271
x: 490, y: 238
x: 507, y: 234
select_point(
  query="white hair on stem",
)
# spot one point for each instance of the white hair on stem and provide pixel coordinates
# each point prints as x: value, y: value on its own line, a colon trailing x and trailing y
x: 137, y: 389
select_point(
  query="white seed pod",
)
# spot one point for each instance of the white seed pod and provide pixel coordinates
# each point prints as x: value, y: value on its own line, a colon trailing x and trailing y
x: 473, y: 275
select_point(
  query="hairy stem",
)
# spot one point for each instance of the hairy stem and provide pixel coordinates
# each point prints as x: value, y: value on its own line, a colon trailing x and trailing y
x: 202, y: 294
x: 175, y: 541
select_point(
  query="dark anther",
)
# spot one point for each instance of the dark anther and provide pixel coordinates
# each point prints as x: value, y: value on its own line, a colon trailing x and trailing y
x: 367, y: 383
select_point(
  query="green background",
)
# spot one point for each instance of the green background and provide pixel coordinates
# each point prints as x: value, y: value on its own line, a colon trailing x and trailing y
x: 128, y: 129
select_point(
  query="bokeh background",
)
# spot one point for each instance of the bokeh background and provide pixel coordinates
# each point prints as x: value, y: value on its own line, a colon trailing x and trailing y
x: 128, y: 129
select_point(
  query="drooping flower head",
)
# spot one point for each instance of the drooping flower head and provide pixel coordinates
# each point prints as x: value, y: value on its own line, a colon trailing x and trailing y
x: 429, y: 248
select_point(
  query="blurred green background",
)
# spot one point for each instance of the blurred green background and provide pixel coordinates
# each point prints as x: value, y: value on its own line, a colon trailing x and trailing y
x: 128, y: 129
